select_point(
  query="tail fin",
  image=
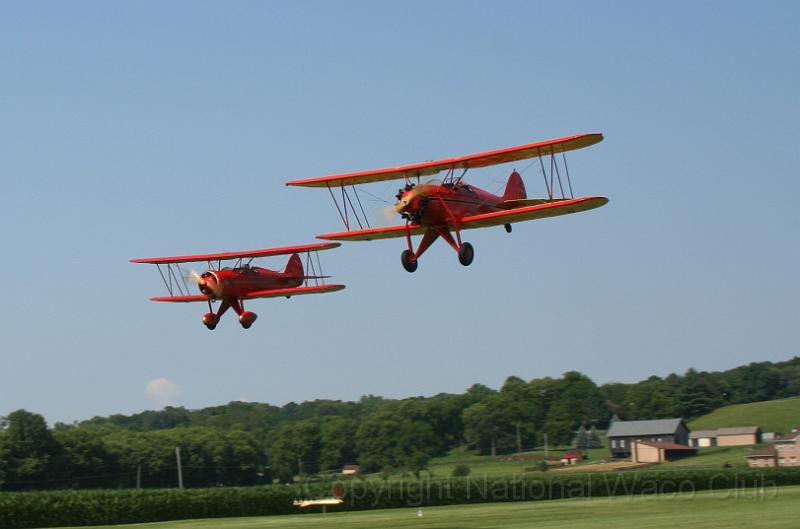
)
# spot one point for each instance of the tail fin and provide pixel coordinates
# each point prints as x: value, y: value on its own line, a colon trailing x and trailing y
x: 515, y: 188
x: 294, y: 266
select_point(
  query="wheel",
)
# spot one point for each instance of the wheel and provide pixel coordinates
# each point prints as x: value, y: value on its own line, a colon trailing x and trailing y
x: 466, y: 253
x: 408, y: 260
x: 210, y: 320
x: 247, y: 318
x: 507, y: 227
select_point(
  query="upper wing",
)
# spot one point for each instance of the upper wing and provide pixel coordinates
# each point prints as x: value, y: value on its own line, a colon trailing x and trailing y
x: 540, y: 211
x: 298, y: 291
x: 483, y: 159
x: 267, y: 252
x: 372, y: 233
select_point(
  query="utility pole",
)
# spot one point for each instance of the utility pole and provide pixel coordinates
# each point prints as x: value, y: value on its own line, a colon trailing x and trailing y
x: 139, y: 476
x: 519, y: 440
x: 545, y: 446
x: 180, y: 470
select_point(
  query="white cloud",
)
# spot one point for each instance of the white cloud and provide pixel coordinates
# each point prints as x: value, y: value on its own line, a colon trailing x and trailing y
x: 162, y: 391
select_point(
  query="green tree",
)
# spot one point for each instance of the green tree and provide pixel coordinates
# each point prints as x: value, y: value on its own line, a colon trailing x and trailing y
x: 581, y: 441
x: 296, y: 450
x: 490, y: 425
x: 387, y: 439
x: 30, y: 449
x: 337, y: 436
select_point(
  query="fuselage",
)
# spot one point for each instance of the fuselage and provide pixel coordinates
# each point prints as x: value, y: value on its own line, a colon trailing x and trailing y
x: 238, y: 282
x: 438, y: 204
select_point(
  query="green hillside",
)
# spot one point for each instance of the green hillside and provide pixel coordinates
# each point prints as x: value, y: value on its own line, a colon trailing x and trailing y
x: 772, y: 416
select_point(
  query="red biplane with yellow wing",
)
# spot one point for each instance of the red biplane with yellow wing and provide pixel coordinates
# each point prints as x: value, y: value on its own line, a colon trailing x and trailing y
x: 436, y: 208
x: 232, y: 285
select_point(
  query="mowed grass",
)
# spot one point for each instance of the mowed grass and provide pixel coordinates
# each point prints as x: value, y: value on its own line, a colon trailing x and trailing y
x: 772, y: 416
x: 734, y: 456
x: 776, y: 508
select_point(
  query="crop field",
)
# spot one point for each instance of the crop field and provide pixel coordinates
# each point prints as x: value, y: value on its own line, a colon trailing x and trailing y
x: 775, y: 508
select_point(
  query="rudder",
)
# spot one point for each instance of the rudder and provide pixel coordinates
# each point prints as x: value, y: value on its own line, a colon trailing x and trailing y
x: 294, y: 266
x: 515, y: 188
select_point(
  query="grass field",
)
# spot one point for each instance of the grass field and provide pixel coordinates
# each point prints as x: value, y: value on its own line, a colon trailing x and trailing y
x: 775, y: 509
x: 772, y: 416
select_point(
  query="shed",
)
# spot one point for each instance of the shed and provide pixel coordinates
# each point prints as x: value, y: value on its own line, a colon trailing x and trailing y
x: 572, y: 458
x: 659, y: 451
x: 350, y: 470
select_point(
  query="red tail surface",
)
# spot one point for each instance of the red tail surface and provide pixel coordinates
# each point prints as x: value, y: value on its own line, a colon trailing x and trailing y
x: 294, y: 266
x: 515, y: 188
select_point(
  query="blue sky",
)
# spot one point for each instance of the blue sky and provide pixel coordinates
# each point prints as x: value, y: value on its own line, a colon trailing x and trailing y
x: 149, y: 128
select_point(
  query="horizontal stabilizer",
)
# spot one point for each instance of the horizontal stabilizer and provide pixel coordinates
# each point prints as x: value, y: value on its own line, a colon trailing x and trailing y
x: 523, y: 202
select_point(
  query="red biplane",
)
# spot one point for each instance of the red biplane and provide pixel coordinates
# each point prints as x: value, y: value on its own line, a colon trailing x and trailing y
x: 232, y: 285
x: 436, y: 208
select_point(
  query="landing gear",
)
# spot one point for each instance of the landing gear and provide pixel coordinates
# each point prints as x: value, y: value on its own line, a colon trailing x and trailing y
x: 507, y: 227
x: 247, y: 318
x: 466, y: 253
x: 210, y: 320
x: 408, y: 260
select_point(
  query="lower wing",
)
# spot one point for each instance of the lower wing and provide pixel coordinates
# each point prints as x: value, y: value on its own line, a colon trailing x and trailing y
x: 276, y: 293
x: 539, y: 211
x: 298, y: 291
x: 531, y: 209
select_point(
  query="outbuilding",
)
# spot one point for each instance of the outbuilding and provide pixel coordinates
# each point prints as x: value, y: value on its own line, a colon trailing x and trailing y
x: 659, y: 451
x: 623, y: 434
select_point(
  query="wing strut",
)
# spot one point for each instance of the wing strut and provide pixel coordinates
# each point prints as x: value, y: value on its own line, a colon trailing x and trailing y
x: 347, y: 210
x: 554, y: 176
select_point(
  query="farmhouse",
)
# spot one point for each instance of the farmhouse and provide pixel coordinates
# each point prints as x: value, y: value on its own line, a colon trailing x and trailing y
x: 623, y: 433
x: 659, y: 451
x: 784, y: 453
x: 762, y: 458
x: 738, y: 436
x: 787, y: 449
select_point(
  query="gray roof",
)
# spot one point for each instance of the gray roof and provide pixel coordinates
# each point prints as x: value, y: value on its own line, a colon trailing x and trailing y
x: 633, y: 428
x: 739, y: 430
x: 699, y: 434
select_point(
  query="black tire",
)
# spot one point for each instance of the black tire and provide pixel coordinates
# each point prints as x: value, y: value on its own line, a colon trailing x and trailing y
x: 466, y: 253
x: 507, y: 227
x: 211, y: 327
x: 408, y: 261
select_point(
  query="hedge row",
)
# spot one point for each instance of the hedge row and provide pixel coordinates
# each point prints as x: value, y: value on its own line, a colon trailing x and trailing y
x: 107, y: 507
x: 20, y: 510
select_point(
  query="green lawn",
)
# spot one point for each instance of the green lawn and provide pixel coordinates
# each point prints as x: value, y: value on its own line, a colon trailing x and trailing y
x: 774, y: 509
x: 772, y: 416
x: 735, y: 456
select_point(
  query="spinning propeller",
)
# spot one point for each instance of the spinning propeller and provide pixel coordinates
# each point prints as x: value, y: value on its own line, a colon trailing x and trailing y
x: 207, y: 283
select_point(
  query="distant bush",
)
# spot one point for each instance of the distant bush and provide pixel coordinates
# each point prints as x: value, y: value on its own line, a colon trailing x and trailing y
x: 461, y: 470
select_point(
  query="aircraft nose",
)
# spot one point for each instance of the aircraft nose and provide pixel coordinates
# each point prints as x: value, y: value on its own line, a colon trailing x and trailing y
x: 207, y: 284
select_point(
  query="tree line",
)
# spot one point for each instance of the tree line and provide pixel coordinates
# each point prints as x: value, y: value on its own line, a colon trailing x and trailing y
x: 250, y: 443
